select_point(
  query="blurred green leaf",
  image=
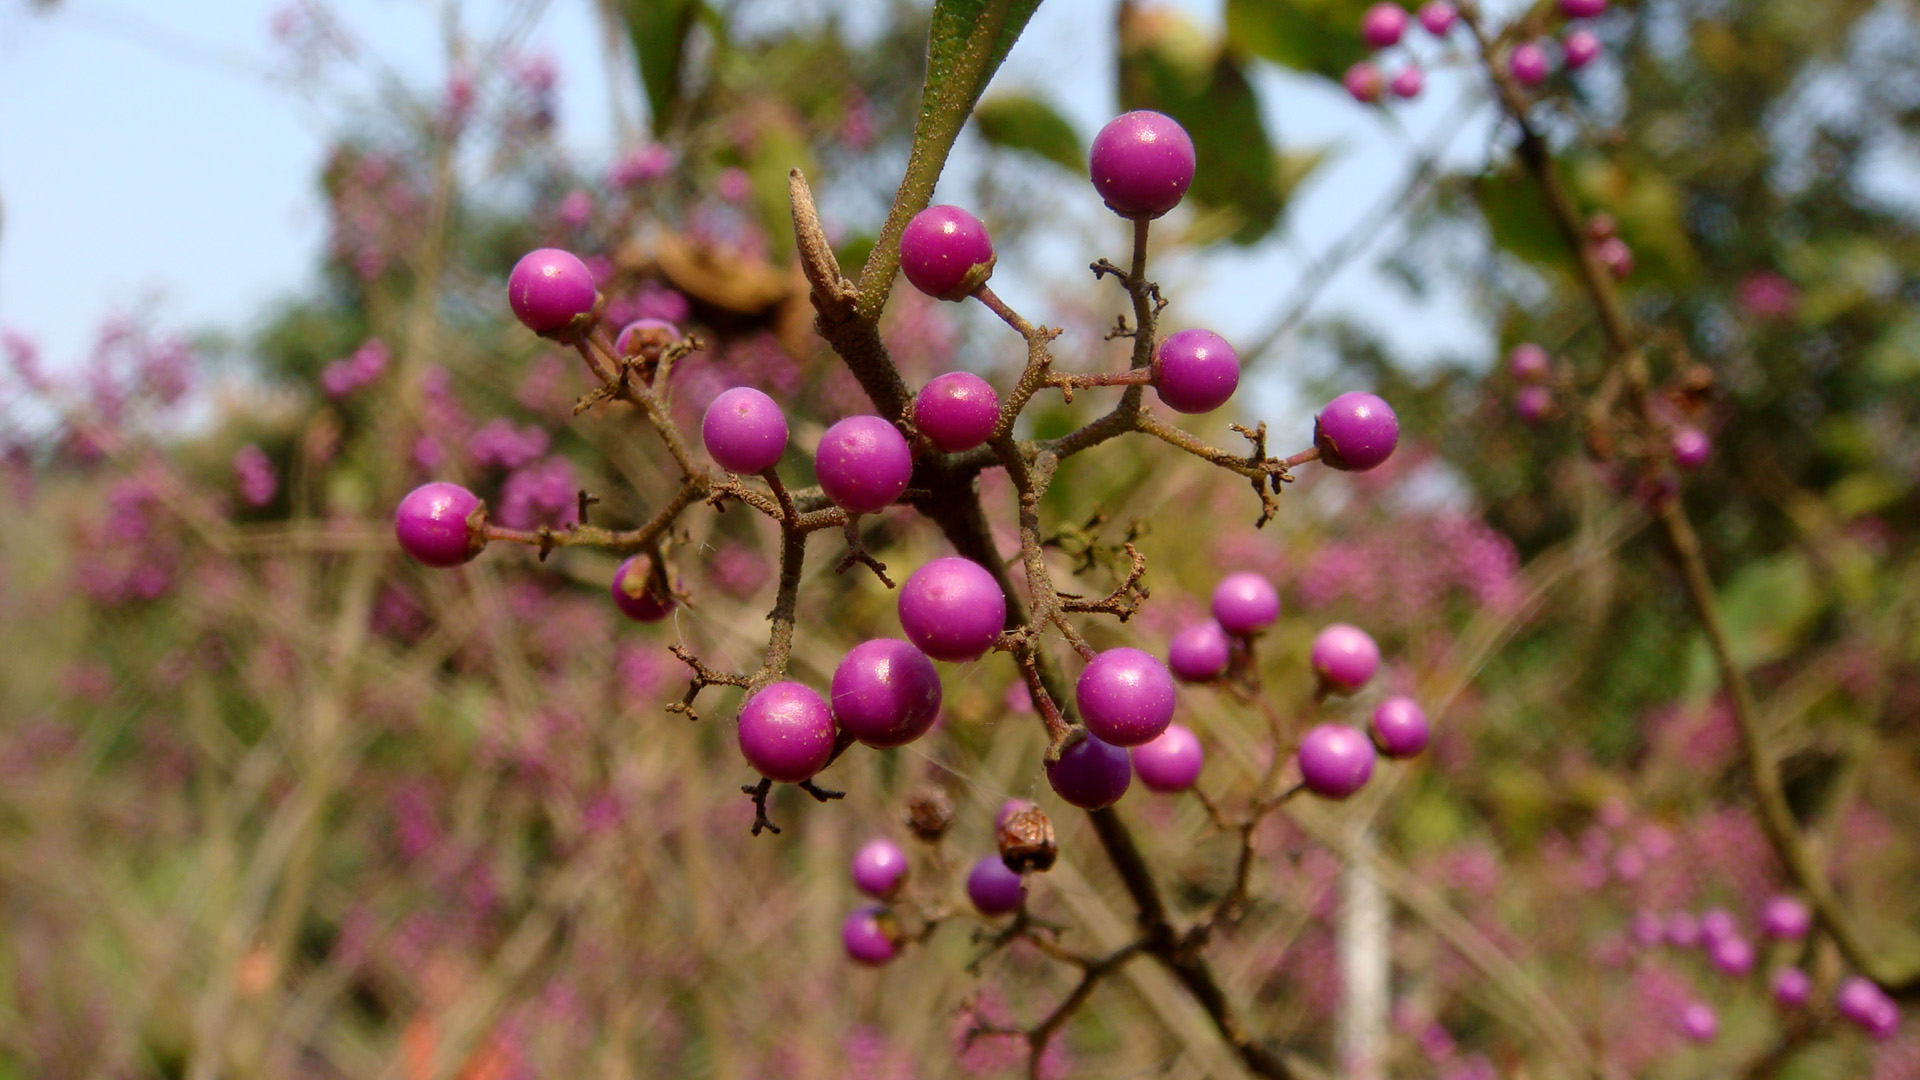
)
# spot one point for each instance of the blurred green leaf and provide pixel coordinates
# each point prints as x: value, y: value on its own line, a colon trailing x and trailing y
x: 1518, y: 218
x: 659, y: 30
x: 1017, y: 122
x: 1308, y: 35
x: 1768, y: 606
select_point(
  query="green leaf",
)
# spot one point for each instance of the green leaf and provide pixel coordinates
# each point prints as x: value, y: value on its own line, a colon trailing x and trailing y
x: 659, y: 30
x: 1308, y: 35
x: 1517, y: 217
x: 954, y: 24
x: 1017, y: 122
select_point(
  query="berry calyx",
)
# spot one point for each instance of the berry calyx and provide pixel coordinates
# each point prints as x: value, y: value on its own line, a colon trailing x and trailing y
x: 1383, y: 24
x: 952, y: 609
x: 1199, y: 653
x: 1356, y: 431
x: 1364, y: 82
x: 1400, y: 727
x: 1528, y: 64
x: 1344, y: 657
x: 1533, y: 404
x: 1091, y: 774
x: 879, y: 868
x: 994, y: 889
x: 863, y: 463
x: 946, y: 252
x: 638, y: 592
x: 1438, y: 17
x: 441, y: 524
x: 1125, y: 696
x: 1195, y: 371
x: 745, y: 431
x: 786, y: 732
x: 1245, y: 603
x: 1691, y: 448
x: 885, y: 693
x: 1580, y: 48
x: 1141, y: 163
x: 1529, y: 363
x: 956, y: 411
x: 1171, y: 763
x: 1408, y: 84
x: 1335, y: 761
x: 868, y: 935
x: 550, y: 288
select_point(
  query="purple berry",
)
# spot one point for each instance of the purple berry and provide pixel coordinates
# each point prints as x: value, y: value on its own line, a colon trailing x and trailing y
x: 549, y: 288
x: 1718, y: 924
x: 885, y: 693
x: 1699, y: 1022
x: 1408, y: 84
x: 994, y: 889
x: 1364, y: 82
x: 946, y: 253
x: 642, y: 334
x: 1245, y: 603
x: 1683, y: 930
x: 786, y: 732
x: 1438, y: 17
x: 1195, y: 371
x: 1400, y: 727
x: 1857, y: 1000
x: 1199, y: 653
x: 1615, y: 255
x: 1582, y: 9
x: 1091, y: 774
x: 1791, y: 987
x: 1170, y: 763
x: 956, y: 411
x: 1528, y: 63
x: 745, y: 431
x: 1533, y: 404
x: 1732, y: 955
x: 1344, y: 657
x: 1335, y: 760
x: 636, y: 592
x: 1691, y: 448
x: 1125, y: 696
x: 1580, y: 48
x: 868, y: 936
x: 952, y: 609
x: 863, y: 463
x: 1356, y: 431
x: 1141, y: 164
x: 1383, y: 24
x: 1785, y: 919
x: 1529, y: 363
x: 441, y: 524
x: 879, y: 868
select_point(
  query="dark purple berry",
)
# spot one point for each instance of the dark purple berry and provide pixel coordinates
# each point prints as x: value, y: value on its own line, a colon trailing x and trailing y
x: 549, y: 288
x: 1141, y: 163
x: 1691, y: 447
x: 1408, y: 83
x: 869, y: 936
x: 1383, y: 24
x: 1195, y: 371
x: 1533, y: 404
x: 1582, y: 9
x: 745, y: 431
x: 1528, y: 64
x: 441, y: 524
x: 1091, y: 774
x: 885, y: 693
x: 1125, y: 696
x: 1785, y: 919
x: 946, y: 253
x: 1529, y: 363
x: 863, y: 463
x: 1364, y: 82
x: 1718, y: 924
x: 786, y: 732
x: 1344, y: 657
x: 1199, y: 653
x: 879, y: 868
x: 1245, y: 603
x: 1699, y: 1022
x: 1791, y: 987
x: 1170, y: 763
x: 1438, y: 17
x: 1580, y: 48
x: 952, y: 609
x: 1356, y: 431
x: 1731, y: 954
x: 994, y: 889
x: 1335, y: 760
x: 1400, y: 727
x: 638, y: 592
x: 956, y: 411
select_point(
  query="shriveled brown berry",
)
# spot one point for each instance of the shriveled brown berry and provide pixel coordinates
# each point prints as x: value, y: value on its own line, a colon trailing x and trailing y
x: 1026, y: 841
x: 929, y: 814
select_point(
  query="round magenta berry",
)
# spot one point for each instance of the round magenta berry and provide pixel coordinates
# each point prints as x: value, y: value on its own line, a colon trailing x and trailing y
x: 1195, y: 371
x: 863, y: 463
x: 1580, y: 48
x: 1400, y: 727
x: 1858, y: 1000
x: 441, y: 524
x: 1529, y: 363
x: 1199, y: 653
x: 1383, y: 24
x: 1717, y: 924
x: 1615, y: 255
x: 638, y: 593
x: 879, y: 868
x: 1791, y: 987
x: 1699, y: 1022
x: 885, y: 693
x: 1245, y: 603
x: 1091, y: 774
x: 1683, y: 930
x: 1364, y: 82
x: 1141, y: 164
x: 946, y: 253
x: 1438, y: 17
x: 1731, y: 954
x: 1582, y: 9
x: 1408, y: 83
x: 1170, y: 763
x: 745, y: 431
x: 952, y: 609
x: 1356, y: 431
x: 1528, y: 63
x: 868, y: 936
x: 994, y: 889
x: 643, y: 334
x: 1785, y: 919
x: 1344, y: 657
x: 956, y: 411
x: 786, y: 732
x: 1335, y: 760
x: 1125, y: 696
x: 1533, y: 404
x: 549, y: 288
x: 1691, y: 447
